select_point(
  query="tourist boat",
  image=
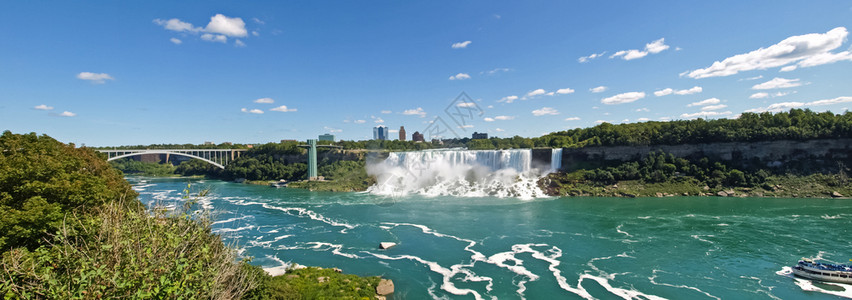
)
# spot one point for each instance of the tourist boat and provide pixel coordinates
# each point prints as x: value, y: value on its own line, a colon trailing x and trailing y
x: 807, y: 268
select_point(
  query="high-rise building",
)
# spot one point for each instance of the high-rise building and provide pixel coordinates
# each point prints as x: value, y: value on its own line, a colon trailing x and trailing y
x: 478, y: 136
x: 326, y: 137
x: 417, y: 137
x: 380, y: 132
x: 402, y: 133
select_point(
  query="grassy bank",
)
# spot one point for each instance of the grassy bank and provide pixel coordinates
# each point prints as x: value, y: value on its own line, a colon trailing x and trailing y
x: 783, y: 186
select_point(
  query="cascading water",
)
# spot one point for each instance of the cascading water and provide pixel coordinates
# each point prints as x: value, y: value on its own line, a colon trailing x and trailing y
x: 465, y: 173
x: 555, y: 160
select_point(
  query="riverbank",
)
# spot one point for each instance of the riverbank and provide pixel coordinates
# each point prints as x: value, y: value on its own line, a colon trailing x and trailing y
x: 784, y: 186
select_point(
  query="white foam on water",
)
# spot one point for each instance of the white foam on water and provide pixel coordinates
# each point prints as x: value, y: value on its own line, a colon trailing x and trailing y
x: 808, y: 285
x: 460, y: 173
x: 682, y: 286
x: 768, y: 289
x: 233, y: 229
x: 618, y: 228
x: 277, y: 270
x: 623, y: 293
x: 699, y: 237
x: 644, y: 217
x: 335, y: 249
x: 298, y: 211
x: 829, y: 217
x: 232, y: 219
x: 447, y: 274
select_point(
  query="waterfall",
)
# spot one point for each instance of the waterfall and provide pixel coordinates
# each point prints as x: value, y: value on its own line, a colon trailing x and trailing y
x: 454, y: 172
x: 555, y: 160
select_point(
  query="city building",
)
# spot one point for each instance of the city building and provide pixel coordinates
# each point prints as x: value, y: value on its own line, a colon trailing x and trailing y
x: 209, y: 143
x: 380, y: 133
x: 480, y: 136
x: 417, y: 137
x: 402, y: 133
x: 326, y: 137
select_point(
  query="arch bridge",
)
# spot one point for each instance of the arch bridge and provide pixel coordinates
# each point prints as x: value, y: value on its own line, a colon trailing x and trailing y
x: 217, y: 157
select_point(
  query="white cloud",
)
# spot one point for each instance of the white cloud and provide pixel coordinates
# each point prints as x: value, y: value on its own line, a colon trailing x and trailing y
x: 759, y: 95
x: 590, y: 57
x: 386, y: 111
x: 495, y: 71
x: 332, y: 129
x: 572, y: 119
x: 461, y: 45
x: 175, y: 41
x: 536, y: 93
x: 803, y: 50
x: 233, y: 27
x: 282, y: 108
x: 783, y: 106
x: 705, y: 114
x: 239, y: 43
x: 264, y: 100
x: 255, y: 33
x: 664, y: 92
x: 777, y: 83
x: 599, y: 89
x: 645, y: 109
x: 713, y: 107
x: 498, y: 130
x: 418, y: 111
x: 214, y: 38
x: 252, y: 111
x: 656, y: 46
x: 752, y: 78
x: 466, y: 104
x: 837, y: 100
x: 466, y: 126
x: 623, y: 98
x: 378, y: 120
x: 782, y: 94
x: 693, y: 90
x: 788, y: 69
x: 504, y: 118
x: 508, y: 99
x: 487, y: 119
x: 650, y: 48
x: 359, y: 121
x: 177, y: 25
x: 67, y: 114
x: 43, y: 107
x: 460, y: 76
x: 706, y: 102
x: 258, y: 21
x: 668, y: 91
x: 545, y: 111
x: 564, y: 91
x: 601, y: 121
x: 99, y: 78
x: 642, y: 119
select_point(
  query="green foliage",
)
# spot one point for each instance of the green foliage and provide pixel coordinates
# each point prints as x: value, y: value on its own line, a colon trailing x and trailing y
x: 315, y: 283
x: 127, y: 253
x: 194, y: 167
x: 480, y: 144
x: 43, y: 182
x: 130, y: 166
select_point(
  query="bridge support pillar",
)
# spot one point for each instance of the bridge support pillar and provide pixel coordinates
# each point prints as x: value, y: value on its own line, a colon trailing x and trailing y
x: 312, y: 159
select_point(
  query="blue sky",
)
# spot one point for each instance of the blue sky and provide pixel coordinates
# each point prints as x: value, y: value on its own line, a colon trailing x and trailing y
x: 118, y: 72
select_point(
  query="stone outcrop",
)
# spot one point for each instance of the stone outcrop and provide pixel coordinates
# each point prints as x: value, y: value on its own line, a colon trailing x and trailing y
x: 385, y: 287
x: 386, y: 245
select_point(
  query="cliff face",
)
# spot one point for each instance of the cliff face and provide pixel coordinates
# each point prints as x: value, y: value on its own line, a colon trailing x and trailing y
x: 772, y: 152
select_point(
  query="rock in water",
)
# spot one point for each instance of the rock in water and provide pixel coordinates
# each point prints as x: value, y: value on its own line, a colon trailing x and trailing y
x: 722, y: 194
x: 385, y: 287
x: 835, y: 194
x: 385, y: 245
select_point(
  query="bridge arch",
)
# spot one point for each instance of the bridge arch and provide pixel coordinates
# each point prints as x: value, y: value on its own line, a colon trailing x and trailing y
x: 169, y: 153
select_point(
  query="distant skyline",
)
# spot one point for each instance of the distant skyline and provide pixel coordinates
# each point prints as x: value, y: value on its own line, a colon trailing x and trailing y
x: 125, y: 73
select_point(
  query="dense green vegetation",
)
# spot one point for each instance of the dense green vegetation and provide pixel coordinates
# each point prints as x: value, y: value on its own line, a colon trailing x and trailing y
x: 661, y: 174
x: 130, y: 166
x: 72, y: 228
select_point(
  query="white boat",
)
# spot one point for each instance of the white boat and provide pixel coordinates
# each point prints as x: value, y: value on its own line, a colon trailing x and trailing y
x: 807, y: 268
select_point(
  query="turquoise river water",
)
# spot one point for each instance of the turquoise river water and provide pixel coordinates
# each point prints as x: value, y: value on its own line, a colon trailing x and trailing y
x: 545, y: 248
